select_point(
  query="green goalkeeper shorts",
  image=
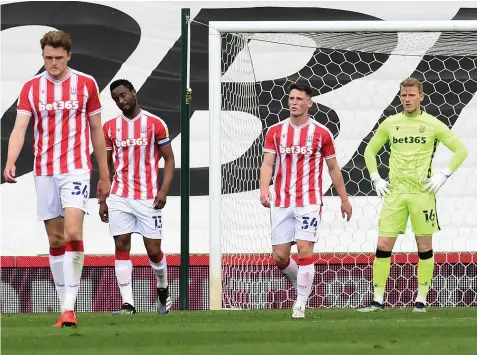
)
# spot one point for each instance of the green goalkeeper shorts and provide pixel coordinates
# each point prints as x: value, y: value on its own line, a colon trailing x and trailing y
x: 398, y: 207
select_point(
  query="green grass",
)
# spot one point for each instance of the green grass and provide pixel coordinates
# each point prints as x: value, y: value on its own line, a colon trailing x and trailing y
x: 449, y: 331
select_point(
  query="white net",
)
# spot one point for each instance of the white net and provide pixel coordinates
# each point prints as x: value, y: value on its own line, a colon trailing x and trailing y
x: 355, y: 79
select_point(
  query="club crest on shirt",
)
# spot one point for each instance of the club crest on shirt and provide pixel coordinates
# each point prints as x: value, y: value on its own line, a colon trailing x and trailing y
x: 73, y: 90
x: 422, y: 129
x: 143, y: 129
x: 309, y: 138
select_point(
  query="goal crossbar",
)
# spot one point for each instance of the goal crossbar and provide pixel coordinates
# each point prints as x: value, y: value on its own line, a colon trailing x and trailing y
x: 216, y: 28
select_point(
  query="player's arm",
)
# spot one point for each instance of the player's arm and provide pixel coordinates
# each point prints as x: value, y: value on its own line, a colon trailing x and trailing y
x: 93, y: 110
x: 167, y: 154
x: 266, y: 171
x: 451, y: 141
x: 109, y: 149
x: 15, y: 145
x: 329, y: 154
x: 338, y: 182
x: 17, y: 137
x: 103, y: 207
x: 99, y: 146
x: 374, y: 146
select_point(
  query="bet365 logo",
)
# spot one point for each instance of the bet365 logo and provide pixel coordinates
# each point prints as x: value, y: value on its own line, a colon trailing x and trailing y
x: 59, y: 105
x: 130, y: 142
x: 296, y: 149
x: 409, y: 140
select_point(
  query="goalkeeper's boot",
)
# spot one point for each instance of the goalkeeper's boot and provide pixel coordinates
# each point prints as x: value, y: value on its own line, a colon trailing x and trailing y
x: 126, y: 310
x: 419, y: 307
x: 67, y: 319
x: 373, y: 307
x: 298, y: 310
x: 164, y: 301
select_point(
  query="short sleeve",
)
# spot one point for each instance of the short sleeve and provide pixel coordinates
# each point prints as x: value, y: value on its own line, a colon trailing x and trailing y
x: 328, y: 146
x: 93, y: 105
x: 270, y: 141
x: 24, y: 105
x: 161, y: 133
x: 107, y: 137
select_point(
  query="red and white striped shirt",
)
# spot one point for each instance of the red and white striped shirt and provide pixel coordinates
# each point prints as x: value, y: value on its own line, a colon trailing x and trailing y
x: 300, y: 151
x: 61, y: 111
x: 135, y: 144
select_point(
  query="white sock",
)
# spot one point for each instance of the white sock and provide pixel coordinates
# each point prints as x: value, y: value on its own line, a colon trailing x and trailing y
x: 422, y: 300
x: 123, y: 269
x: 56, y: 267
x: 305, y: 276
x: 291, y: 271
x: 160, y: 270
x: 72, y: 267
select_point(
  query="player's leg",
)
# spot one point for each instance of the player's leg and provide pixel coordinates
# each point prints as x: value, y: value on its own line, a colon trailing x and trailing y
x: 149, y: 224
x: 123, y: 269
x: 74, y: 192
x: 307, y: 220
x: 50, y: 212
x: 122, y: 223
x: 424, y: 224
x: 392, y: 222
x: 282, y: 238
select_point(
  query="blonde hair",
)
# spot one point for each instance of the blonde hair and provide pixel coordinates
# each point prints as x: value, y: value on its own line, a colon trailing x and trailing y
x: 412, y: 82
x: 57, y: 39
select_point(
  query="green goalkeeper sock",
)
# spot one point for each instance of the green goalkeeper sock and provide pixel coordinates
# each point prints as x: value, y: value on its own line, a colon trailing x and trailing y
x: 381, y: 267
x: 425, y: 270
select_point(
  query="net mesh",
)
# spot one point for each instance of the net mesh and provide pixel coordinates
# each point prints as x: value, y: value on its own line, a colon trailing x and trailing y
x: 355, y: 79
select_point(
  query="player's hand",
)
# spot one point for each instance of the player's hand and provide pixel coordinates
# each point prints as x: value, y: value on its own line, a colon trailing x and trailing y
x: 434, y: 183
x: 104, y: 186
x: 380, y: 185
x: 103, y: 212
x: 160, y: 200
x: 265, y: 198
x: 346, y: 210
x: 9, y: 173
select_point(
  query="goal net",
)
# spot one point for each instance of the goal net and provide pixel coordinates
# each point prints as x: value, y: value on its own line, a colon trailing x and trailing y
x: 355, y: 81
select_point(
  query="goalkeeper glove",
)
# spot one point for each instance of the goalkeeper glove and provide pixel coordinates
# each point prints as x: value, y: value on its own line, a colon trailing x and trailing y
x: 380, y: 185
x: 435, y: 182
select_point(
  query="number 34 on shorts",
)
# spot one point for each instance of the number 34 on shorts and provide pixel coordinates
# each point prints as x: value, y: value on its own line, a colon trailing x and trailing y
x: 295, y: 223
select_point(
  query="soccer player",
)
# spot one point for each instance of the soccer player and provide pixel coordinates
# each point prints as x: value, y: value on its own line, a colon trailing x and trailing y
x: 66, y: 109
x: 137, y: 140
x: 298, y: 146
x: 413, y: 135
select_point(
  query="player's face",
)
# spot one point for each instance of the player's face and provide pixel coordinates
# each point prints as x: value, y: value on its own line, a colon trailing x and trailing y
x: 56, y: 61
x: 411, y: 98
x: 125, y: 99
x: 299, y: 103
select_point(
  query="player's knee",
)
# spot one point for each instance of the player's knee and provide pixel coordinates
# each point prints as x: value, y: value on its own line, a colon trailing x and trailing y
x: 385, y: 245
x: 73, y: 233
x: 383, y: 253
x: 281, y: 260
x: 123, y: 246
x: 155, y: 255
x: 56, y: 239
x: 424, y: 255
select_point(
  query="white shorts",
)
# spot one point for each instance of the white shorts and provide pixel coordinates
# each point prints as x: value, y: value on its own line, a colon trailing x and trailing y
x: 290, y: 224
x: 55, y: 193
x: 127, y: 215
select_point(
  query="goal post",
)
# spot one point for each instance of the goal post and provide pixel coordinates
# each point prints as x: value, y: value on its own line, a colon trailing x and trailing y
x: 217, y: 221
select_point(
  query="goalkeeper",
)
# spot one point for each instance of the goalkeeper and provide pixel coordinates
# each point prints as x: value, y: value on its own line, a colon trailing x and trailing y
x: 413, y: 136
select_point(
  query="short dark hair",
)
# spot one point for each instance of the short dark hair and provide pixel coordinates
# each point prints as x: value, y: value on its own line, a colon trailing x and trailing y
x: 119, y: 82
x: 57, y: 39
x: 300, y: 86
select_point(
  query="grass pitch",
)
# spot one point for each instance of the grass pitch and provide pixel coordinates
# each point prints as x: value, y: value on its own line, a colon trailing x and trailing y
x: 448, y: 331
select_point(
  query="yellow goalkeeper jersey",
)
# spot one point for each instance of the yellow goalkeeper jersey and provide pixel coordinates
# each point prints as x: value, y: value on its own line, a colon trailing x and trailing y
x: 413, y: 141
